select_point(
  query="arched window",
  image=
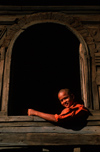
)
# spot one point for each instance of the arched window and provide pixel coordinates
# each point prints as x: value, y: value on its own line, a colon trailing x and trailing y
x: 45, y: 59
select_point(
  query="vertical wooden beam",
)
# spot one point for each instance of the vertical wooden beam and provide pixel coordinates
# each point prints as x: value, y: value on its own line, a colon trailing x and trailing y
x: 99, y: 95
x: 84, y: 75
x: 2, y: 56
x: 97, y: 83
x: 94, y: 75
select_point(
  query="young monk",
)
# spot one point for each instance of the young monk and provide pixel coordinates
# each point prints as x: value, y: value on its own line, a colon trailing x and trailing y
x: 72, y: 109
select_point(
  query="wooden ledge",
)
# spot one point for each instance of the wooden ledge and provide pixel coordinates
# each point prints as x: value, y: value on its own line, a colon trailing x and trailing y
x: 94, y: 117
x: 24, y: 131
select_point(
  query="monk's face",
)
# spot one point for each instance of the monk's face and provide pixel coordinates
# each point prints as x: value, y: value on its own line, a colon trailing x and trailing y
x: 66, y: 99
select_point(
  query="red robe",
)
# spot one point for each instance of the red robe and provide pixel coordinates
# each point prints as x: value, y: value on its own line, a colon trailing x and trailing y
x: 73, y: 112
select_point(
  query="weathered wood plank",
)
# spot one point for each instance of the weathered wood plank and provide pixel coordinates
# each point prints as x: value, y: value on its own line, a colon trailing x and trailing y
x: 95, y: 112
x: 19, y: 118
x: 93, y: 123
x: 31, y: 139
x: 41, y: 123
x: 25, y: 124
x: 10, y: 148
x: 95, y: 117
x: 53, y: 129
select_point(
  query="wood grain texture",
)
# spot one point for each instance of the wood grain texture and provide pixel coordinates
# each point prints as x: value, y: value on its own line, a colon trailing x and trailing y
x: 33, y: 139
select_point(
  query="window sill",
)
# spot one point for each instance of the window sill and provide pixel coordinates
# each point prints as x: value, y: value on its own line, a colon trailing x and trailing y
x: 20, y: 118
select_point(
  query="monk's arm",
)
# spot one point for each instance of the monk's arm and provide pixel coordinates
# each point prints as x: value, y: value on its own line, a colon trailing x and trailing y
x: 46, y: 116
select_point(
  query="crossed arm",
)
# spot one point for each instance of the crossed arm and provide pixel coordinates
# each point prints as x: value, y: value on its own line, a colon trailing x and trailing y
x: 46, y: 116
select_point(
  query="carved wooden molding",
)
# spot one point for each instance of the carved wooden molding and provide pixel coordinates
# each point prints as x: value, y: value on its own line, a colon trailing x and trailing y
x: 56, y: 17
x: 97, y: 59
x: 3, y: 29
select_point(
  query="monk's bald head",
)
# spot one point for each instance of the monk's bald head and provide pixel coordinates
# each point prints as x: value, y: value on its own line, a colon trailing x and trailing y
x: 66, y: 90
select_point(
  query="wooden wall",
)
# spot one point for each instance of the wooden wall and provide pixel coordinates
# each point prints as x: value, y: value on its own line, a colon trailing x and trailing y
x: 25, y: 131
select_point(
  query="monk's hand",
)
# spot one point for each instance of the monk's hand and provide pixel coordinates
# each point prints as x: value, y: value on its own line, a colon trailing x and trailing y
x: 31, y: 112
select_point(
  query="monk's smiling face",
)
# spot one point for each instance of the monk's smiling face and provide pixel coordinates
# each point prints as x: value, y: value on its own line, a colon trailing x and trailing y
x: 66, y: 99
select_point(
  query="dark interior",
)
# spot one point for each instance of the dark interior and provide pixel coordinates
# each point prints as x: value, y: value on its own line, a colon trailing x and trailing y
x: 45, y: 59
x: 48, y: 3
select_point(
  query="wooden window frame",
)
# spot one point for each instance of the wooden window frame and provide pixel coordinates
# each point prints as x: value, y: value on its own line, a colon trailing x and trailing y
x: 84, y: 64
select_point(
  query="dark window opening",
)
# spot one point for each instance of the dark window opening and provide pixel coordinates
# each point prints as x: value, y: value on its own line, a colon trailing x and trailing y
x: 45, y: 59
